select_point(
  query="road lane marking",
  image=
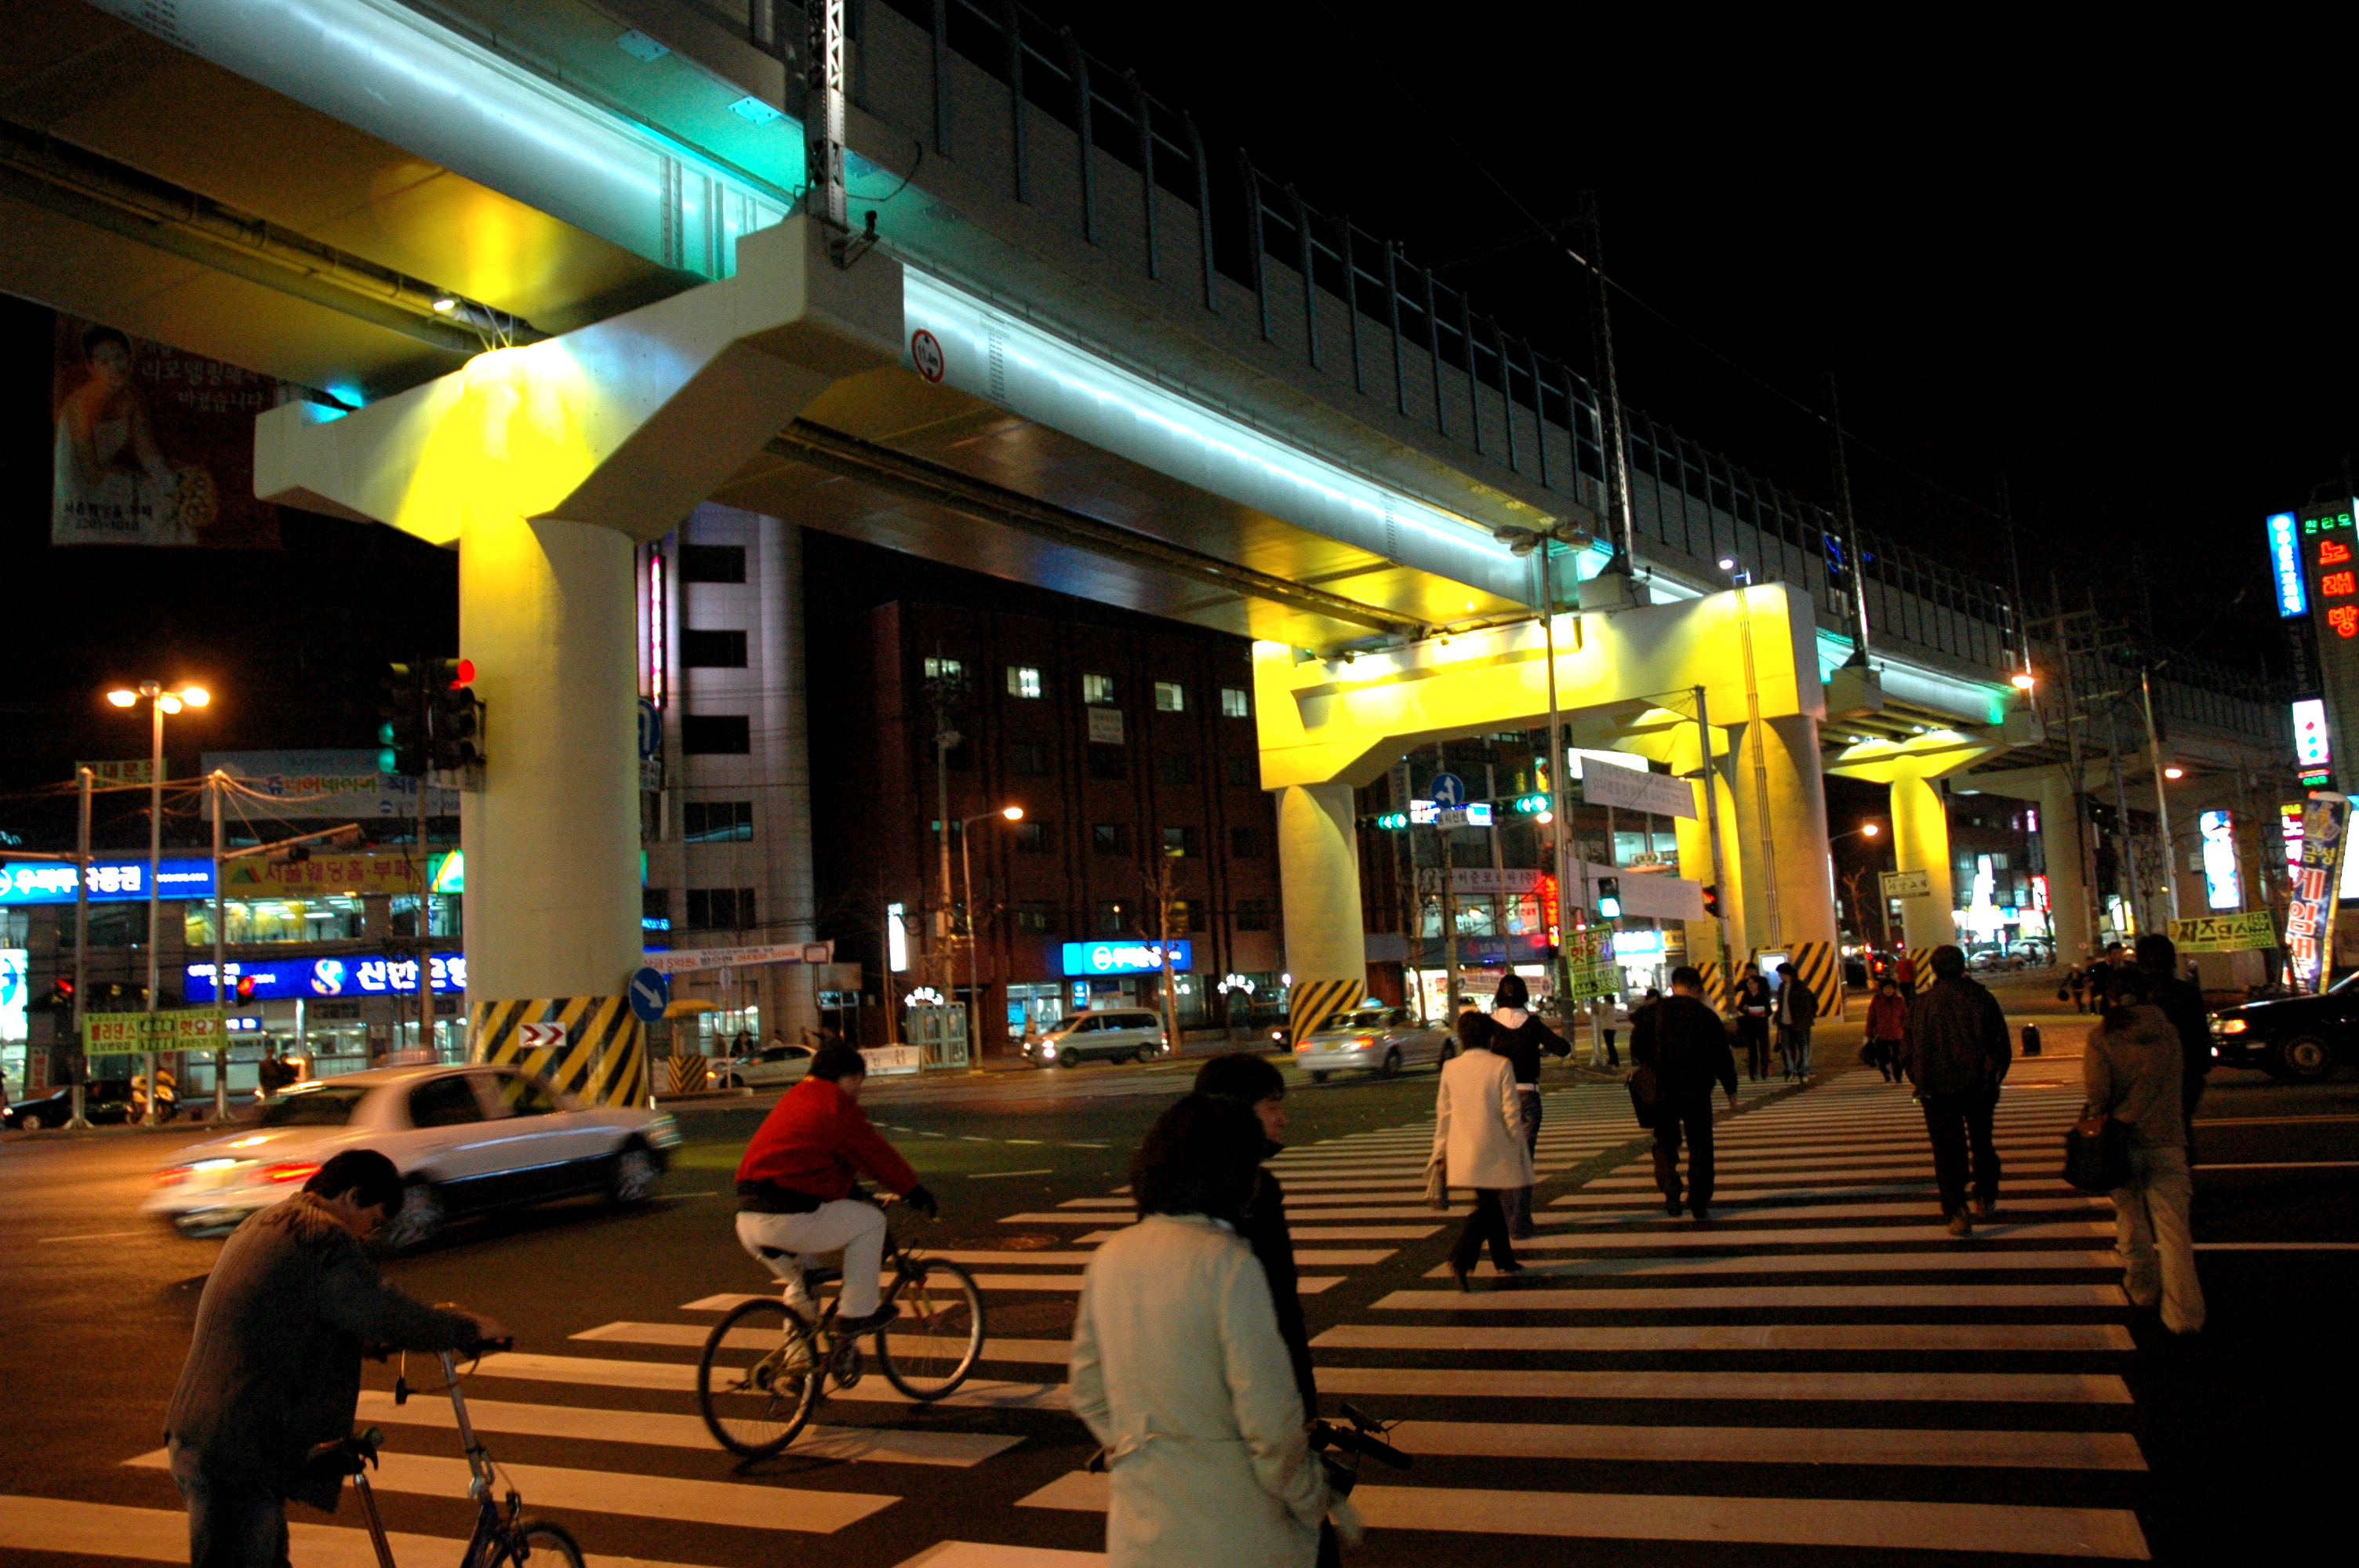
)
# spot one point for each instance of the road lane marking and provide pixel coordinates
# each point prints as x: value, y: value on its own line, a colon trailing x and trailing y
x: 1743, y: 1336
x: 620, y: 1492
x: 680, y: 1377
x: 1682, y: 1234
x: 996, y: 1176
x: 1774, y: 1444
x: 1529, y: 1383
x: 95, y: 1236
x: 1819, y: 1263
x: 1780, y: 1521
x: 1649, y: 1211
x: 653, y: 1428
x: 1701, y: 1298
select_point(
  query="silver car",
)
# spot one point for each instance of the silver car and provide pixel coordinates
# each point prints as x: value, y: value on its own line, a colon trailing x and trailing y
x: 1374, y: 1040
x: 775, y: 1065
x: 1115, y: 1035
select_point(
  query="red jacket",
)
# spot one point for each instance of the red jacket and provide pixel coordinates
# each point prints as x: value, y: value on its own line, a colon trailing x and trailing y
x: 1888, y: 1017
x: 814, y: 1140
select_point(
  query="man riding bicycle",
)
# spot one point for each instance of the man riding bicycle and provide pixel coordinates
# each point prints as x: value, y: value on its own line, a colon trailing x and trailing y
x: 795, y: 1185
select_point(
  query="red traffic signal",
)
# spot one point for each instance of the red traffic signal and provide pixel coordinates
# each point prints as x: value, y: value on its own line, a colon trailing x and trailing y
x: 1712, y: 901
x: 462, y: 672
x: 246, y: 987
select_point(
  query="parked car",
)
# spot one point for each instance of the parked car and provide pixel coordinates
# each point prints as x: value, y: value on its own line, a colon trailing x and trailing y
x: 466, y: 1139
x: 2297, y: 1037
x: 1373, y: 1040
x: 105, y: 1102
x: 773, y: 1066
x: 1113, y: 1034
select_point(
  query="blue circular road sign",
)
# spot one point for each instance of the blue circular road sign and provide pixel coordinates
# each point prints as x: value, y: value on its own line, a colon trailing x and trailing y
x: 1448, y: 790
x: 650, y: 994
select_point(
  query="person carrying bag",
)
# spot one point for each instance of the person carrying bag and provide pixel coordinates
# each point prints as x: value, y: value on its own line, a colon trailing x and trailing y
x: 2131, y: 1069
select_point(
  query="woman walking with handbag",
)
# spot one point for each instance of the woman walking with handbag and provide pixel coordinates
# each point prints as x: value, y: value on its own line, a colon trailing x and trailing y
x: 1512, y: 1033
x: 1478, y: 1141
x: 1752, y: 1002
x: 1887, y: 1026
x: 2131, y: 1068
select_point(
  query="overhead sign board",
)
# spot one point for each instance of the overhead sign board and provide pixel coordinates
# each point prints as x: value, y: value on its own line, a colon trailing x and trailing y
x: 111, y: 881
x: 342, y: 786
x: 135, y: 1034
x: 284, y: 979
x: 1479, y: 882
x: 1631, y: 789
x: 1475, y: 814
x: 1126, y: 957
x: 688, y: 960
x: 1908, y: 884
x: 2254, y: 930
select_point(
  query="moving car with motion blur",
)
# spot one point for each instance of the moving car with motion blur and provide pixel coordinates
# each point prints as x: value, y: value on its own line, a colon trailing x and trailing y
x: 106, y: 1102
x: 1373, y: 1038
x: 466, y: 1139
x: 2295, y: 1037
x: 775, y: 1065
x: 1111, y: 1034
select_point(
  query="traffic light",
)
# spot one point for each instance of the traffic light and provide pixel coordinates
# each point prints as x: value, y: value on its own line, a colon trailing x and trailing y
x: 1531, y: 804
x: 245, y: 988
x: 60, y: 998
x: 1609, y: 898
x: 1393, y: 821
x: 401, y: 715
x: 456, y: 718
x: 1712, y: 901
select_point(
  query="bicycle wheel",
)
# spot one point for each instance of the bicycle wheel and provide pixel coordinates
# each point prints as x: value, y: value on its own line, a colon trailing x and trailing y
x: 930, y: 1348
x: 539, y: 1544
x: 756, y: 1410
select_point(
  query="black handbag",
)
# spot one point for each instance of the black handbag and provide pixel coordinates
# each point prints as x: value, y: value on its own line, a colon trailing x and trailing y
x: 2097, y: 1153
x: 1646, y: 1093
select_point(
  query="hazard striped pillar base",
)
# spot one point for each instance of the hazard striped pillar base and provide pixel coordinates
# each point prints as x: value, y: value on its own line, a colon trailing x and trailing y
x: 1820, y: 966
x: 1314, y: 1002
x: 600, y: 1058
x: 1920, y: 961
x: 1716, y: 988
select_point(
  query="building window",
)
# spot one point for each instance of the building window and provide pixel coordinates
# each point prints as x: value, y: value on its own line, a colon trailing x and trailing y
x: 1031, y: 837
x: 719, y: 909
x: 1110, y: 837
x: 939, y: 668
x: 1244, y: 770
x: 716, y: 735
x: 1023, y: 680
x: 1169, y: 697
x: 1244, y: 843
x: 1176, y: 767
x: 1234, y: 703
x: 713, y: 650
x: 1179, y: 840
x: 1108, y: 919
x: 1253, y: 915
x: 1028, y: 759
x: 1036, y: 918
x: 1107, y: 763
x: 712, y: 563
x: 655, y: 909
x: 1187, y: 915
x: 1097, y: 688
x: 716, y: 821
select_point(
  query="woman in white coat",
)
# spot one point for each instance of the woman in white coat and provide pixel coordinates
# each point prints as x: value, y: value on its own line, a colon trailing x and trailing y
x: 1478, y: 1141
x: 1179, y: 1370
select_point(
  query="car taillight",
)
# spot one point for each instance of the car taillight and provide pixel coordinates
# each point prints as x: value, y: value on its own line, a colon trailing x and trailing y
x: 1304, y: 1046
x: 288, y: 1172
x: 173, y: 1177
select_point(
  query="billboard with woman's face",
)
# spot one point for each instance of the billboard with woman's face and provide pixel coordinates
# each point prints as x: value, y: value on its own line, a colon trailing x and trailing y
x: 154, y: 445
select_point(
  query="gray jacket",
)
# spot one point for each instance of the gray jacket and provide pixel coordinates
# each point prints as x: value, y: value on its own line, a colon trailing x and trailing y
x: 1957, y: 1041
x: 274, y: 1366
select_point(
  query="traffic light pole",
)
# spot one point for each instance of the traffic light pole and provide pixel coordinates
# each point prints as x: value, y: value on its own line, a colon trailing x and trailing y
x: 82, y: 949
x: 425, y: 880
x: 155, y: 867
x: 221, y: 994
x: 1711, y: 825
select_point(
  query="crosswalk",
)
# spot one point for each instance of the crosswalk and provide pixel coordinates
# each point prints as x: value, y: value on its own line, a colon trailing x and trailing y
x: 1822, y: 1366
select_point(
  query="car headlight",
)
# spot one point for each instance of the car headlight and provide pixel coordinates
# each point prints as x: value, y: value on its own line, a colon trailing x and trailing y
x: 2231, y: 1025
x: 1050, y: 1051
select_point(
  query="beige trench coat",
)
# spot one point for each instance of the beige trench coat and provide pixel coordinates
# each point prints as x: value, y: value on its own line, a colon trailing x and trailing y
x: 1478, y: 1124
x: 1178, y: 1370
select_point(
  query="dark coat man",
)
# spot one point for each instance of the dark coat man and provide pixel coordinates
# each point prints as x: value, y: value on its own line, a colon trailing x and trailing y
x: 1957, y: 1053
x: 1686, y: 1044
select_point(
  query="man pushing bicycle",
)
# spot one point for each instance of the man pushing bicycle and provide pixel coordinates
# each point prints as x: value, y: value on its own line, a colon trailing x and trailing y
x: 795, y: 1185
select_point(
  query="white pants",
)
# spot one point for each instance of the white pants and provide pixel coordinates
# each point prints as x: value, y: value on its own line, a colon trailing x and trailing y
x: 2157, y: 1245
x: 855, y: 1228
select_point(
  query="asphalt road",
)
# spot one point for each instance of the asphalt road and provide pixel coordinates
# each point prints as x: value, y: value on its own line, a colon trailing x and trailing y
x: 1823, y: 1377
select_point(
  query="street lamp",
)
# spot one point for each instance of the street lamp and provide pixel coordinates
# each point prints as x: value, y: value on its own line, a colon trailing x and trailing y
x: 966, y: 906
x: 159, y: 703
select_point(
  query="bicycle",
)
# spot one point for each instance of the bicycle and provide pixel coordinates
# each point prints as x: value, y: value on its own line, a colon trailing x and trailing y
x: 926, y: 1350
x: 504, y: 1537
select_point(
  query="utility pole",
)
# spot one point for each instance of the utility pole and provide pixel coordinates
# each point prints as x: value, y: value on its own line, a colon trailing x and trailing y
x: 1711, y: 825
x: 83, y: 779
x: 425, y: 880
x: 1618, y: 522
x: 221, y: 951
x: 1562, y: 820
x: 1857, y: 555
x: 2161, y: 799
x: 155, y: 869
x: 1448, y: 901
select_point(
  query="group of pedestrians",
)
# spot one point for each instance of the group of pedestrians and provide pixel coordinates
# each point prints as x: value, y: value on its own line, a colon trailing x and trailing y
x: 1791, y: 1008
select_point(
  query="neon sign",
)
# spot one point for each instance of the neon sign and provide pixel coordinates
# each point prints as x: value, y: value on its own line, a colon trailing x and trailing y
x: 2285, y: 561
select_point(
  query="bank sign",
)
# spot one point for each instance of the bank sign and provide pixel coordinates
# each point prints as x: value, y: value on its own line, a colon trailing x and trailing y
x: 284, y: 979
x: 111, y: 881
x: 1126, y: 957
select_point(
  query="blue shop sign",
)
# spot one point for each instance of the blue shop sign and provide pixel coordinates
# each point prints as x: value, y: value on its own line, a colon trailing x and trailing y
x: 284, y: 979
x: 111, y: 881
x: 1139, y: 957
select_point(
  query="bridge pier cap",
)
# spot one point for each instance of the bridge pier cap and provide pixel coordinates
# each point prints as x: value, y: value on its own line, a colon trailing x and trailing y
x: 544, y: 464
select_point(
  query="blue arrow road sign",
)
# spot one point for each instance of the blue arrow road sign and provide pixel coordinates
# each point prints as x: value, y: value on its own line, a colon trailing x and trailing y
x: 651, y: 729
x: 650, y: 994
x: 1448, y: 789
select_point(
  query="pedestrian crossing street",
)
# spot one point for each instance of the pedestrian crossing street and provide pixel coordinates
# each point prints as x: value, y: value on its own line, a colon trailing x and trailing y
x: 1820, y: 1367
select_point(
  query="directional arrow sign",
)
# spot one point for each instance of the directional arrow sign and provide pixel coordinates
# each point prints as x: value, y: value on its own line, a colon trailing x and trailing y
x: 650, y: 994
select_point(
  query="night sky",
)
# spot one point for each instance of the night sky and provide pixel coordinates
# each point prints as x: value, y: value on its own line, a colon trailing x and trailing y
x: 2109, y: 269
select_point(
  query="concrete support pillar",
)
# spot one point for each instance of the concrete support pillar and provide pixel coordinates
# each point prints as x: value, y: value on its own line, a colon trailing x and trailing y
x: 2067, y: 886
x: 1786, y: 848
x: 1921, y: 842
x: 552, y: 841
x: 1319, y: 881
x: 786, y: 716
x: 1695, y: 862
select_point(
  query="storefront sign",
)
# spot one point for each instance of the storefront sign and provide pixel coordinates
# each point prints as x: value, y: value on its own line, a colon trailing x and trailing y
x: 2284, y: 564
x: 688, y: 960
x: 342, y: 786
x: 16, y: 969
x: 1479, y: 882
x: 284, y: 979
x: 134, y: 1034
x: 111, y: 881
x: 2253, y: 931
x: 138, y: 771
x: 1126, y: 957
x: 2224, y: 884
x: 882, y: 1059
x: 2309, y: 914
x: 252, y: 877
x: 1906, y: 884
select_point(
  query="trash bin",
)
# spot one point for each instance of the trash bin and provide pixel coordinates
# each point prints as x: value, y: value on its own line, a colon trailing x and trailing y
x: 2031, y: 1040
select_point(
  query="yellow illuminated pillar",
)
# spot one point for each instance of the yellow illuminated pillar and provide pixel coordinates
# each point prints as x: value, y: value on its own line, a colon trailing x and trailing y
x: 1782, y: 815
x: 1695, y: 862
x: 1319, y: 881
x: 1921, y: 842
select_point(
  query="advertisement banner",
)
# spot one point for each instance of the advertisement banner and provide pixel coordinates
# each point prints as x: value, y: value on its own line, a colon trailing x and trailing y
x: 2316, y: 880
x: 154, y: 444
x: 111, y: 881
x: 1589, y: 958
x: 252, y: 877
x: 2253, y: 931
x: 340, y: 786
x: 16, y: 965
x: 133, y: 1033
x: 283, y: 979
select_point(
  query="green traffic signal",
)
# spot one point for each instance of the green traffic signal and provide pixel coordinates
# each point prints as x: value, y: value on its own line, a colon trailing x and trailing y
x: 1609, y: 898
x: 1393, y: 821
x: 1531, y: 804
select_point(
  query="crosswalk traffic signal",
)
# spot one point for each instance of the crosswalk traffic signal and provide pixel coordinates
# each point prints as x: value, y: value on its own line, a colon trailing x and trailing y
x: 401, y: 728
x: 1609, y: 898
x: 455, y: 717
x: 1712, y: 901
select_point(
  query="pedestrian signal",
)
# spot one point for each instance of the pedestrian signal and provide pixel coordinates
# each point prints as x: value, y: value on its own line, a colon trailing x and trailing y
x: 401, y: 729
x: 1609, y: 898
x: 1712, y: 901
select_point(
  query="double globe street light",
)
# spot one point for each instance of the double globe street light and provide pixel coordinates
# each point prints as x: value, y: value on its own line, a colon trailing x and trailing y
x: 160, y: 702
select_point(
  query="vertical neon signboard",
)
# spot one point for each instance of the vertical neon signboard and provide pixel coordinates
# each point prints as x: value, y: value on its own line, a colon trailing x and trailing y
x: 2317, y: 879
x: 2284, y: 565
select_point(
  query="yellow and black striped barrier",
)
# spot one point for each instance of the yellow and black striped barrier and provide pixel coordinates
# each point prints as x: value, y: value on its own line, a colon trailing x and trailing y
x: 1314, y: 1002
x: 599, y: 1058
x: 1717, y: 990
x: 1920, y: 961
x: 687, y: 1074
x: 1820, y: 966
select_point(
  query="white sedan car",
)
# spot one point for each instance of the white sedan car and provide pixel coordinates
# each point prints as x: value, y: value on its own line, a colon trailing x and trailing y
x: 465, y: 1139
x: 773, y: 1066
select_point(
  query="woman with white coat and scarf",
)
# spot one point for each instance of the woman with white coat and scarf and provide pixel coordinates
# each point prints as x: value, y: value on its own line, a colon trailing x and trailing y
x: 1478, y: 1141
x: 1180, y: 1371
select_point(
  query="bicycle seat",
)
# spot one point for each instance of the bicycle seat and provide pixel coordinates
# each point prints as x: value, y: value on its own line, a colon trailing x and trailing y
x: 345, y: 1455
